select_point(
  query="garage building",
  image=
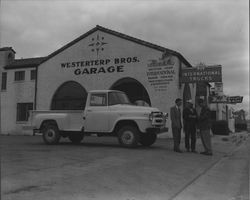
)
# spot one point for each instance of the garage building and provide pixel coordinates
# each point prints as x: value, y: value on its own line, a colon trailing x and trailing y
x: 99, y: 59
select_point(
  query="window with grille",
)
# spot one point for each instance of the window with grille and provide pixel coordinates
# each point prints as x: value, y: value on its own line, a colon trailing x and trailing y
x: 20, y: 76
x: 33, y: 75
x: 4, y: 81
x: 23, y: 111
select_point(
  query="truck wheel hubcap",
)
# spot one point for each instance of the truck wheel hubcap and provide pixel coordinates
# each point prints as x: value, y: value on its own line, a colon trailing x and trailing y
x: 50, y: 134
x: 127, y: 137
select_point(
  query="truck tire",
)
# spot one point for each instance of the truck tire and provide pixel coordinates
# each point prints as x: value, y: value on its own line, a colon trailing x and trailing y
x: 147, y: 139
x: 76, y: 138
x: 128, y: 136
x: 51, y: 134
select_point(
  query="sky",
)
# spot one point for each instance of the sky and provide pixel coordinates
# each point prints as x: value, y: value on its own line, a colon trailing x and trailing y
x: 208, y: 31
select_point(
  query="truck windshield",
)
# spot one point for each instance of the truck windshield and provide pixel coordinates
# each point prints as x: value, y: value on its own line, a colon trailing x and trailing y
x: 118, y: 98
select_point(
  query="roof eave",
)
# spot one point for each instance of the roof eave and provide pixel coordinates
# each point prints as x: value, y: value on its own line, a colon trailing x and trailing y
x: 121, y: 35
x: 20, y: 67
x: 69, y: 44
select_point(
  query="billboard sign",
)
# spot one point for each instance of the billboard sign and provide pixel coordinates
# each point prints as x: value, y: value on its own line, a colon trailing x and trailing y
x: 225, y: 99
x: 235, y: 99
x: 218, y: 88
x: 201, y: 74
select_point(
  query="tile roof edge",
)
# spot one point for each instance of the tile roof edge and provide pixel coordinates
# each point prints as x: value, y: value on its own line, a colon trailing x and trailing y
x: 15, y: 65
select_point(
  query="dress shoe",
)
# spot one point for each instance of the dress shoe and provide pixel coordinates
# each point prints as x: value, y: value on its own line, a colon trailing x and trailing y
x: 188, y: 150
x: 194, y: 151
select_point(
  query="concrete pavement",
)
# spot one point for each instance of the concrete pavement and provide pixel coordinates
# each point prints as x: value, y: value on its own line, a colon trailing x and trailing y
x: 100, y: 169
x: 227, y: 179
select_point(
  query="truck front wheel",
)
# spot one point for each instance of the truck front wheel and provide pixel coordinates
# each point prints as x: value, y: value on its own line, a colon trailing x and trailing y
x: 76, y: 138
x: 147, y: 139
x: 128, y: 136
x: 51, y: 134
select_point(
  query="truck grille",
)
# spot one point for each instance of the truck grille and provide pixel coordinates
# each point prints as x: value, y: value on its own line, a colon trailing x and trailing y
x: 158, y: 119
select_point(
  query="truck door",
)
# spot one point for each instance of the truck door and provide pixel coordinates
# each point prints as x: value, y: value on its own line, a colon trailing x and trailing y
x: 96, y: 117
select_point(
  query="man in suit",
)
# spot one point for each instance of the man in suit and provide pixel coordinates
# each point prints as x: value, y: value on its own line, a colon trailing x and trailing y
x: 175, y: 115
x: 204, y: 124
x: 190, y: 122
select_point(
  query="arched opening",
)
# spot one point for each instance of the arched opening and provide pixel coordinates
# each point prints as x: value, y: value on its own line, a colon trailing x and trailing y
x: 135, y: 91
x: 186, y: 94
x: 69, y: 96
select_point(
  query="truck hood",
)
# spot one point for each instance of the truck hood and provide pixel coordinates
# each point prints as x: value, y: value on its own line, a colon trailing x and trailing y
x: 133, y: 108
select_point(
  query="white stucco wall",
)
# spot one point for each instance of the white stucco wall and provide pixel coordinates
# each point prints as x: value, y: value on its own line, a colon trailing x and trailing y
x: 16, y: 92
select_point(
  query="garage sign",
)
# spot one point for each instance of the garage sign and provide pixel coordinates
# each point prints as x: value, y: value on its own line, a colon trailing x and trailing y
x: 101, y: 66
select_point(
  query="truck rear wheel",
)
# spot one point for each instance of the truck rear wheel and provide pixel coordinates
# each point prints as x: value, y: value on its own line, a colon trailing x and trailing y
x: 76, y: 138
x: 128, y: 136
x: 51, y: 134
x: 147, y: 139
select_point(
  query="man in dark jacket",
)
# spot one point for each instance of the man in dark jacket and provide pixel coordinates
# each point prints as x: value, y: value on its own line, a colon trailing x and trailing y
x: 189, y: 122
x: 204, y: 125
x: 175, y: 114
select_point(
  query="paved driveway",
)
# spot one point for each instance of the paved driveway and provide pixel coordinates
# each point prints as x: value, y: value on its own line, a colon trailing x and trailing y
x: 100, y: 169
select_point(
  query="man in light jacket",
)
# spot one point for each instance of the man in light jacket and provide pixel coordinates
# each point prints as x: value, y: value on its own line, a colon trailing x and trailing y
x: 175, y: 115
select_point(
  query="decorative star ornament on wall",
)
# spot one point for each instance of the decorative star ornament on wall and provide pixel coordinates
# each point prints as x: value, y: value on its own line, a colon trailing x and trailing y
x: 97, y: 44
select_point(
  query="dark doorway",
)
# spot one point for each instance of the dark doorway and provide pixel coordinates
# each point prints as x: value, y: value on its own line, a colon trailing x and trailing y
x: 135, y: 91
x: 201, y: 91
x: 186, y: 94
x: 69, y: 96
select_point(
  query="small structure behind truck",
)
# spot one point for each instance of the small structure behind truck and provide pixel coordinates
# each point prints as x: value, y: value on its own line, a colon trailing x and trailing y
x: 106, y: 113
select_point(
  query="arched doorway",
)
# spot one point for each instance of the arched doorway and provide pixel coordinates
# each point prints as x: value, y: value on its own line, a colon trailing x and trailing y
x: 69, y: 96
x: 186, y: 94
x: 135, y: 91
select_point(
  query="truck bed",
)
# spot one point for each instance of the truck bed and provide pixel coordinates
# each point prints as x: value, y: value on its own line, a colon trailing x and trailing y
x: 72, y: 119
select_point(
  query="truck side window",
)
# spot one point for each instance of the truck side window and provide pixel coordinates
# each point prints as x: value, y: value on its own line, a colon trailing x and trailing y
x: 112, y: 99
x: 98, y: 100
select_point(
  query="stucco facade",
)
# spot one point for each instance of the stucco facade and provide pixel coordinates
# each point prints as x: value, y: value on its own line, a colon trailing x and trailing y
x: 17, y: 92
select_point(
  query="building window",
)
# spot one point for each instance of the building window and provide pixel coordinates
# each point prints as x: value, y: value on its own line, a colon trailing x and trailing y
x: 23, y: 111
x: 33, y: 75
x: 4, y: 81
x: 20, y: 76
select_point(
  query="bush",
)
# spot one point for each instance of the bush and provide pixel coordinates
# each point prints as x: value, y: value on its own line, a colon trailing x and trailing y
x: 220, y: 127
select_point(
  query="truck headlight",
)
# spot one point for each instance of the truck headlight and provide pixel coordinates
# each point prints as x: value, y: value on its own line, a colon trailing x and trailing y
x: 165, y: 115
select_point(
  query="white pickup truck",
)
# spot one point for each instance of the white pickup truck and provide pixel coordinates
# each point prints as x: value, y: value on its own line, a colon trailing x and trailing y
x: 107, y: 113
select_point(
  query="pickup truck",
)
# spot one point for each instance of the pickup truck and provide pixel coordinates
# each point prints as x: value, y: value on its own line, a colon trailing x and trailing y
x: 106, y: 113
